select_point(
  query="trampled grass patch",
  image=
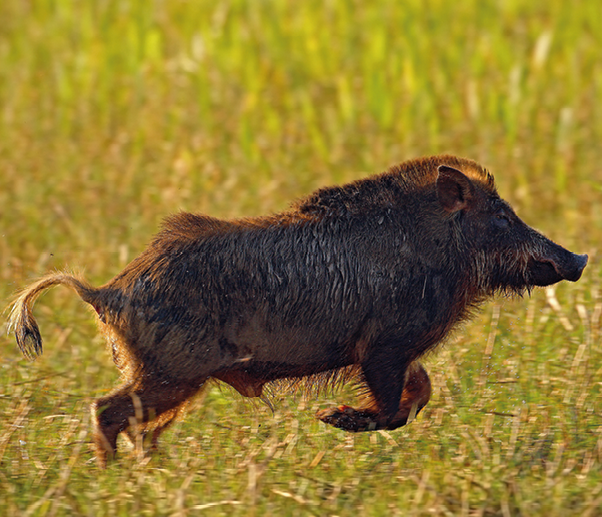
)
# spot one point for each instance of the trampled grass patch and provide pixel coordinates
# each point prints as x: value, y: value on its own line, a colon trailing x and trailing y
x: 115, y: 114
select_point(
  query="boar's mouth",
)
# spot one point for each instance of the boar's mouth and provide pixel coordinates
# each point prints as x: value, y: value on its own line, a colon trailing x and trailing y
x: 547, y: 271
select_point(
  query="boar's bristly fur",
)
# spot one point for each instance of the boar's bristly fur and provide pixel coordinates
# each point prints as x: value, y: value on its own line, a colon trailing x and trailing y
x: 355, y: 282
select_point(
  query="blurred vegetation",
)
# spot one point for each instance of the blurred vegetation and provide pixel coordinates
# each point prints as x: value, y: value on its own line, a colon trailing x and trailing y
x: 116, y: 113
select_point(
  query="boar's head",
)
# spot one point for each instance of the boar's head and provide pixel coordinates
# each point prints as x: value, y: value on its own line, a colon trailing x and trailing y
x: 503, y: 253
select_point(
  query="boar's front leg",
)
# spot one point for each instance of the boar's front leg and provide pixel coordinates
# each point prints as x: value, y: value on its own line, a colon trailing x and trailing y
x: 385, y: 407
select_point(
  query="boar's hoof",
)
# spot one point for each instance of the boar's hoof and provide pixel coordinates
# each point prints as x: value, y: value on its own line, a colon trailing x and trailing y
x: 349, y: 419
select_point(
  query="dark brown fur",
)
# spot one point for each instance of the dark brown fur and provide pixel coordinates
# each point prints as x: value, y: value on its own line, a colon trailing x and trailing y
x: 352, y: 283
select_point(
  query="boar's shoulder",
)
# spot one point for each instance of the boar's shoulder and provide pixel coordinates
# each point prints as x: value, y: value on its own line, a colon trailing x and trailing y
x: 359, y: 197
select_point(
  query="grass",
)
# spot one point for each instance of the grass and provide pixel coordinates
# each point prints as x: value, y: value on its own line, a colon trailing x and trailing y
x: 114, y: 114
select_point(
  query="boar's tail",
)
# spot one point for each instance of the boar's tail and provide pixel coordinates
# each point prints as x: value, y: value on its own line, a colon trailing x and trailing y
x: 21, y: 320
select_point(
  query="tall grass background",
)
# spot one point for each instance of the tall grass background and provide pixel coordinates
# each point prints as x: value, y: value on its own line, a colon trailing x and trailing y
x: 114, y: 114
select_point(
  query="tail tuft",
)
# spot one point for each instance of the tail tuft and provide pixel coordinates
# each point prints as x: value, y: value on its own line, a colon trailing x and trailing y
x: 29, y: 338
x: 22, y: 323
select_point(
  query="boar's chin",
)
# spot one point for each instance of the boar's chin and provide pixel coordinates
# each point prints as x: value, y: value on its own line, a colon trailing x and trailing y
x: 547, y: 272
x: 543, y: 274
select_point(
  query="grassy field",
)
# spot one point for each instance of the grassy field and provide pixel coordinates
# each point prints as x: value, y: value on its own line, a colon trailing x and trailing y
x: 116, y: 113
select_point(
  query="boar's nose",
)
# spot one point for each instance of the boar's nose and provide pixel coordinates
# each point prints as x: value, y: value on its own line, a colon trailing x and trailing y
x: 579, y: 262
x: 560, y: 264
x: 571, y: 266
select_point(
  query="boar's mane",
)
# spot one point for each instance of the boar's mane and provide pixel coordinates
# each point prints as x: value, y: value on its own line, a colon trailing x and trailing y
x: 389, y: 189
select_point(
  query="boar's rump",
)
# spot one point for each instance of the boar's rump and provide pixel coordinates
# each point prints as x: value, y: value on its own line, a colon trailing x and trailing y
x: 354, y: 282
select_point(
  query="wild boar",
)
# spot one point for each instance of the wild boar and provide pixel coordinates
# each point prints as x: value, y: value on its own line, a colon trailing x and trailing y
x: 356, y: 281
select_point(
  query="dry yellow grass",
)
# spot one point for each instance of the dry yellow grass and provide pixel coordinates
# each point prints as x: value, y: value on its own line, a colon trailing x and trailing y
x: 114, y: 114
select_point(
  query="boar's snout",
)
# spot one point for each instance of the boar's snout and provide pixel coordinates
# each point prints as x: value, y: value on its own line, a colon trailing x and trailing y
x: 559, y: 264
x: 580, y: 261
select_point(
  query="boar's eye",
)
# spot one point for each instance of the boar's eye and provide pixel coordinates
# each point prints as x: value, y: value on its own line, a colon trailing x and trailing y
x: 501, y: 220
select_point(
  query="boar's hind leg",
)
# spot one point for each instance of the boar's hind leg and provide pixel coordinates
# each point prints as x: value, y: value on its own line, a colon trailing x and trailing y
x: 157, y: 403
x: 154, y: 428
x: 384, y: 408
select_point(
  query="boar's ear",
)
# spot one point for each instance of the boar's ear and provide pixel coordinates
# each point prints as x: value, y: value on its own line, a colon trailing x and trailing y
x: 454, y: 190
